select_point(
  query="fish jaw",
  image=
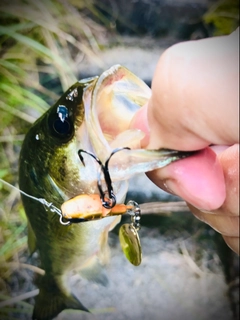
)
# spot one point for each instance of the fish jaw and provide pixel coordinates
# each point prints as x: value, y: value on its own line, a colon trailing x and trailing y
x: 110, y: 104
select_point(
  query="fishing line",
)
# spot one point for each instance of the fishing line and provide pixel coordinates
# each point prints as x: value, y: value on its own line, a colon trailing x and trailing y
x: 43, y: 201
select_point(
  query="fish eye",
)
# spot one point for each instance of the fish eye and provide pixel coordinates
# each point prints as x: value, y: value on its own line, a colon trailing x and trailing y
x: 62, y: 129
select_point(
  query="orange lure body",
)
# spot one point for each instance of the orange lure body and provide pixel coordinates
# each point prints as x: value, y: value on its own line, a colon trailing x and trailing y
x: 89, y: 207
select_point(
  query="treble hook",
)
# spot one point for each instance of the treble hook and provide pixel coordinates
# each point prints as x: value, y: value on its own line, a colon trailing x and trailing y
x: 111, y: 201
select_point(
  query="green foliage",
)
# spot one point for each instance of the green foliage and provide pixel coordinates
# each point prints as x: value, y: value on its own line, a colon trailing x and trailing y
x: 40, y: 36
x: 224, y: 16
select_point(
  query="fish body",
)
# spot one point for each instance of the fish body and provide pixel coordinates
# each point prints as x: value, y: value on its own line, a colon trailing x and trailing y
x: 50, y: 169
x: 94, y: 115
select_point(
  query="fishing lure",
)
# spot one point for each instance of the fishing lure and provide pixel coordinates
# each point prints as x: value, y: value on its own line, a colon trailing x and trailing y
x: 89, y: 207
x: 97, y: 206
x: 128, y: 235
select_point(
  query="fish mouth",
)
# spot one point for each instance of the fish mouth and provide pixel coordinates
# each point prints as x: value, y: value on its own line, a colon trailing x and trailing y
x: 110, y: 103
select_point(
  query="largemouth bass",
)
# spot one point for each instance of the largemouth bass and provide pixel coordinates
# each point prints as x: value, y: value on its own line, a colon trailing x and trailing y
x: 94, y: 115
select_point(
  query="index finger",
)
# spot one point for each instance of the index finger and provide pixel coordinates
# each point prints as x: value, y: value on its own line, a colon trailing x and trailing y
x: 194, y: 99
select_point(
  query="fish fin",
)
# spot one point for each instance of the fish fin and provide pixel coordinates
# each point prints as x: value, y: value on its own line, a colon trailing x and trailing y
x: 32, y: 243
x: 94, y: 271
x: 104, y: 250
x: 51, y: 300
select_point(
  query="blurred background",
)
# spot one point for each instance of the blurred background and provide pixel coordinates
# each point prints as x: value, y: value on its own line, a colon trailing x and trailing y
x: 45, y: 46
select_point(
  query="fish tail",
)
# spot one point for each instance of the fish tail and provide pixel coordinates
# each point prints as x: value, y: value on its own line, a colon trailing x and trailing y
x: 51, y: 300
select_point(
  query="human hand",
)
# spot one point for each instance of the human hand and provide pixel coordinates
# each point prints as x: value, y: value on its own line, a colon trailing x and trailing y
x: 194, y: 105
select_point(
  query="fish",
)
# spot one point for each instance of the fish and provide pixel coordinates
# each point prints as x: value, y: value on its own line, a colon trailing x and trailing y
x: 94, y: 114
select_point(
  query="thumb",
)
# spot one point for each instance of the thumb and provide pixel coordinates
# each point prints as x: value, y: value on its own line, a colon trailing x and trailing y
x: 225, y: 219
x: 199, y: 180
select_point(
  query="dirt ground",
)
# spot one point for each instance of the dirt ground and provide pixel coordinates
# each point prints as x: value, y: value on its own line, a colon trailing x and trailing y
x: 167, y: 285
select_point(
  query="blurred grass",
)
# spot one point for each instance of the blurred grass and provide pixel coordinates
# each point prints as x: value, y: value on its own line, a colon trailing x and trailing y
x: 39, y: 40
x: 223, y: 16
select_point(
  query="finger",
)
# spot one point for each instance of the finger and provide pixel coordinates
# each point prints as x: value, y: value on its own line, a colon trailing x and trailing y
x: 193, y: 83
x: 198, y: 180
x: 229, y: 160
x: 224, y: 224
x: 140, y: 122
x: 233, y: 243
x: 228, y: 226
x: 225, y: 219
